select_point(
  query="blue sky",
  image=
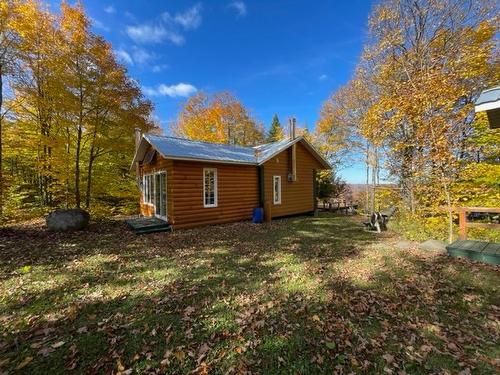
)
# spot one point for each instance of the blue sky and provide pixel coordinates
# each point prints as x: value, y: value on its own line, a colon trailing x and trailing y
x: 282, y: 57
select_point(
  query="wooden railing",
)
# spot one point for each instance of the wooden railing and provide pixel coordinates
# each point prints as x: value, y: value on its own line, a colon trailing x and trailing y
x: 463, y: 224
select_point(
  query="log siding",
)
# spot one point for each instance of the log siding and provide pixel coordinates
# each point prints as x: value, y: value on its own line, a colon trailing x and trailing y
x: 240, y: 188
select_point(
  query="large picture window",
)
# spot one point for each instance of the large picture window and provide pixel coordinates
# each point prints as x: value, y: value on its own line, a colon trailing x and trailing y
x: 154, y: 189
x: 277, y: 189
x: 210, y: 187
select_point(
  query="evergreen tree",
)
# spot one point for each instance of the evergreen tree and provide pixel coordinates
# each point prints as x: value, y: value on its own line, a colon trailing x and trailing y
x: 275, y: 131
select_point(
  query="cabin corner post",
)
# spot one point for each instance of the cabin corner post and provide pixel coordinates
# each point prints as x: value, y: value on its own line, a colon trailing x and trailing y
x: 262, y: 190
x: 315, y: 190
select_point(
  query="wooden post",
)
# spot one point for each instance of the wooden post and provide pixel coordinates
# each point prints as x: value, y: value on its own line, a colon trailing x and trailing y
x: 268, y: 216
x: 462, y: 224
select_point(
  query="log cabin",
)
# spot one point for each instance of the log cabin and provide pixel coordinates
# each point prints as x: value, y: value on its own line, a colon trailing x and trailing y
x: 489, y: 102
x: 191, y: 183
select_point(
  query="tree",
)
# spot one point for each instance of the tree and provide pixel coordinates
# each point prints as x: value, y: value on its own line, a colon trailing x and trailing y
x: 423, y: 65
x: 219, y: 118
x: 275, y: 132
x: 75, y: 112
x: 437, y: 53
x: 37, y: 87
x: 8, y: 47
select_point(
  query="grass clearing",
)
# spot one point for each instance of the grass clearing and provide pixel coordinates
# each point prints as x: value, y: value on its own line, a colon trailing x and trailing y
x: 302, y: 295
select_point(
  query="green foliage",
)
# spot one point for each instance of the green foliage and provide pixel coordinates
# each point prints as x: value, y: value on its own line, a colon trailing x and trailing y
x: 420, y: 227
x: 275, y: 132
x: 69, y: 134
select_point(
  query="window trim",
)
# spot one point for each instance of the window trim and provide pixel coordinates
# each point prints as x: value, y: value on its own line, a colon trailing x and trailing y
x: 149, y: 183
x: 205, y: 205
x: 148, y: 188
x: 274, y: 190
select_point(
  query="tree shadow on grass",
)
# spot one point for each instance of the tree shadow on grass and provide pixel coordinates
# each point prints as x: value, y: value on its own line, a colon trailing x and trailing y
x: 242, y: 297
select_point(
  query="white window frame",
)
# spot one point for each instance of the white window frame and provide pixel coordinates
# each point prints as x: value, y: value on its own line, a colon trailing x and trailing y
x: 277, y: 201
x: 214, y: 170
x: 148, y: 188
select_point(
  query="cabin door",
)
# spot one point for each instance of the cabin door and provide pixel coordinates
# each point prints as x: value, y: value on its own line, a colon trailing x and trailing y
x: 161, y: 195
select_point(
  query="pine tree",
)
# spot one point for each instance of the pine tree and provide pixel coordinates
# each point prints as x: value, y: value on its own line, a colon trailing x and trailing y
x: 275, y: 131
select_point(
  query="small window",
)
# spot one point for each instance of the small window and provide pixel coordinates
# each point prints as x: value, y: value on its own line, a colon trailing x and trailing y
x: 277, y: 189
x: 210, y: 187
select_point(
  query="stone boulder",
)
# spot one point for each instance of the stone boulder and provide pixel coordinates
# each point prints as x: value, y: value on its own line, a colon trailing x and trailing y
x: 68, y: 220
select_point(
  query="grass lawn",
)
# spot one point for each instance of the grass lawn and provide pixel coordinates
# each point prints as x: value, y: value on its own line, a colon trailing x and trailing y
x: 303, y: 295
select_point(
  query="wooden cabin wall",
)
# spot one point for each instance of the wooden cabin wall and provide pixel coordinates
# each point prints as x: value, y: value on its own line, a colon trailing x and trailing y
x: 237, y: 190
x: 297, y: 196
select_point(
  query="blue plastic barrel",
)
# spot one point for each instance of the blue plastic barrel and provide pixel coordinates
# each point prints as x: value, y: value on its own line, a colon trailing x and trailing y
x: 258, y: 215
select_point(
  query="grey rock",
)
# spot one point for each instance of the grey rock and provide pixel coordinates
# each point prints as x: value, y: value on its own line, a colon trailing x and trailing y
x: 68, y: 220
x: 433, y: 245
x: 403, y: 244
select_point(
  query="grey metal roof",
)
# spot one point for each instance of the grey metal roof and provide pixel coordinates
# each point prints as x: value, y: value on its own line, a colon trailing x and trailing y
x: 488, y: 96
x: 185, y: 149
x: 171, y: 147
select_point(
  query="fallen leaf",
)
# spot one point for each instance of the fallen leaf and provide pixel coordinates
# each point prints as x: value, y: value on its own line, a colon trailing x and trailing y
x: 45, y: 351
x: 389, y: 358
x: 203, y: 349
x: 180, y: 355
x: 24, y: 363
x: 331, y: 345
x: 58, y: 344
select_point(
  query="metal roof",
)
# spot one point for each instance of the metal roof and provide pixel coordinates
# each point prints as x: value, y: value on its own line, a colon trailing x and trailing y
x: 185, y: 149
x: 180, y: 148
x: 489, y: 99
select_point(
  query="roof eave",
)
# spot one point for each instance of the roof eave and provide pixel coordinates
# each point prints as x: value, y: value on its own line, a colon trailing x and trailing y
x: 209, y: 160
x: 308, y: 145
x: 487, y: 106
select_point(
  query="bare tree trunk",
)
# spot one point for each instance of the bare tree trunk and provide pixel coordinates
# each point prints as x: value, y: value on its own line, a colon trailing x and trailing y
x: 68, y: 139
x: 374, y: 181
x: 92, y: 157
x: 89, y: 178
x: 77, y: 167
x: 367, y: 161
x: 450, y: 213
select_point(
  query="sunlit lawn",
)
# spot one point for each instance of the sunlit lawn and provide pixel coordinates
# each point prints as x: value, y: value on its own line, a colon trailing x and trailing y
x: 304, y: 295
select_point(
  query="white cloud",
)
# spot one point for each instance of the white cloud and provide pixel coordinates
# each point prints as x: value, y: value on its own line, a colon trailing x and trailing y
x: 124, y: 56
x: 153, y: 34
x: 159, y: 68
x: 141, y: 56
x: 173, y: 91
x: 98, y: 24
x: 240, y: 7
x: 166, y: 27
x: 110, y: 9
x: 129, y: 15
x: 322, y: 77
x: 190, y: 19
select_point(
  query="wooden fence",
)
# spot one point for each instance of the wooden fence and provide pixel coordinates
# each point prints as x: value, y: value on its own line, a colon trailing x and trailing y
x: 463, y: 224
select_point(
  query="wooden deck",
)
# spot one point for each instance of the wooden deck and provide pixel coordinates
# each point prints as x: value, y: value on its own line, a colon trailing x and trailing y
x: 487, y: 252
x: 144, y: 225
